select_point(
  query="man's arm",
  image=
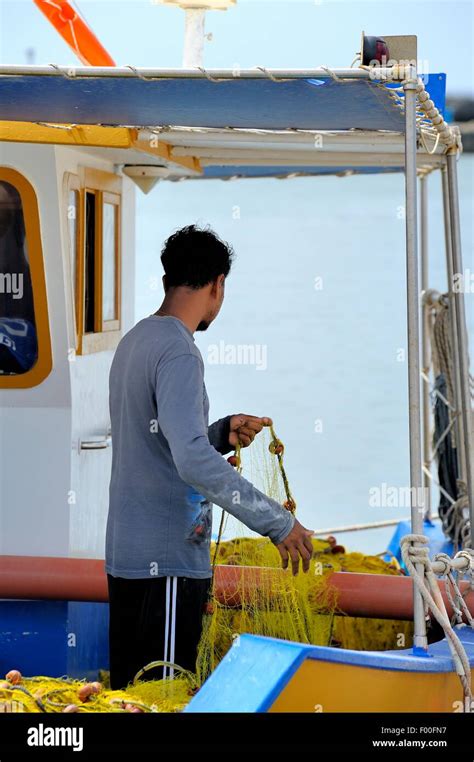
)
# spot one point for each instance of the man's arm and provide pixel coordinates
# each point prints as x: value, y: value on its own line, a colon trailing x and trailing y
x: 179, y: 384
x: 225, y: 433
x: 218, y: 435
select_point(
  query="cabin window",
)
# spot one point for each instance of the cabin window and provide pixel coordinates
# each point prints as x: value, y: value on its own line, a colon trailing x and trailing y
x: 25, y: 350
x: 73, y: 219
x: 18, y: 338
x: 89, y: 264
x: 109, y: 262
x: 96, y: 262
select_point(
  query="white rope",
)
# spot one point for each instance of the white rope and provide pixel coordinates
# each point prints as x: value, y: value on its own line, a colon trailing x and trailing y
x: 423, y: 140
x: 209, y: 76
x: 415, y: 551
x: 71, y: 26
x: 453, y: 591
x: 456, y: 522
x: 331, y: 73
x: 443, y: 436
x: 138, y: 74
x: 441, y: 489
x: 440, y: 340
x: 429, y: 119
x: 466, y: 555
x: 447, y: 136
x: 268, y: 74
x: 69, y: 74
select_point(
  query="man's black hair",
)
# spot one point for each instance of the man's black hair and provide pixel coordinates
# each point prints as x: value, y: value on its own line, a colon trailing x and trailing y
x: 194, y: 257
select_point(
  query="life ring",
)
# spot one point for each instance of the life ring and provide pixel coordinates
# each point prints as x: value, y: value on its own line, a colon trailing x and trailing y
x: 75, y: 32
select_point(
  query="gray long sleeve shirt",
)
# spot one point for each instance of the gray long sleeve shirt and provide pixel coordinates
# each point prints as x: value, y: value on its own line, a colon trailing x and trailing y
x: 167, y: 464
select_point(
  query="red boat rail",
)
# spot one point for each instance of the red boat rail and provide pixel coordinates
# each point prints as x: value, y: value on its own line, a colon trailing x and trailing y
x: 83, y: 579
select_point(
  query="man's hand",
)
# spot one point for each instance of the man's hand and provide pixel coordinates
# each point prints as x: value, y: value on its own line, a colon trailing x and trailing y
x: 244, y: 428
x: 297, y: 543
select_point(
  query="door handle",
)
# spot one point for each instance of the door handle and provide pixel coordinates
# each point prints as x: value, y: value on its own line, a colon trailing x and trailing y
x: 96, y: 443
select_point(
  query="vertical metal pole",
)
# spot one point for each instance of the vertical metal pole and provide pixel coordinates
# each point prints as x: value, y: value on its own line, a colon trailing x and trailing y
x: 193, y: 37
x: 462, y: 353
x: 425, y: 342
x: 458, y: 427
x: 413, y: 325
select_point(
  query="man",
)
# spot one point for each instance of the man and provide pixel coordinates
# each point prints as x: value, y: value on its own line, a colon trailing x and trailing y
x: 167, y: 469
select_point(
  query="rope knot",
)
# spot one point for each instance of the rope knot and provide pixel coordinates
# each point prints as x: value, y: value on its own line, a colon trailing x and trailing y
x: 467, y: 553
x: 444, y: 559
x: 409, y: 548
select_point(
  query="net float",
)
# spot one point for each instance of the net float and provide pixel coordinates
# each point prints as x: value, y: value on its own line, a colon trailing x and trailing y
x: 14, y: 676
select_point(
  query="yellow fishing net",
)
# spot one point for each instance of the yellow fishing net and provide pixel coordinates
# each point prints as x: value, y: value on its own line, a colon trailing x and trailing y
x: 48, y: 694
x: 301, y: 608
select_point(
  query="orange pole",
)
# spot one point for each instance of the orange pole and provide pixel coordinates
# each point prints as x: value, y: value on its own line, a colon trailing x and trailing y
x: 378, y: 596
x: 75, y: 32
x: 44, y: 578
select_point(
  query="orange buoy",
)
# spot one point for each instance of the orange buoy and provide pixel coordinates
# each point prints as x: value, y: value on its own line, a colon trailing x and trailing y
x: 75, y: 32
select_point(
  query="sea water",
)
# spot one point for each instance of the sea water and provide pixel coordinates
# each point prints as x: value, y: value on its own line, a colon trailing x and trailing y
x: 313, y: 327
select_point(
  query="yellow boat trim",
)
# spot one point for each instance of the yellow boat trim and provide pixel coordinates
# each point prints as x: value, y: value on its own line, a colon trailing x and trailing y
x: 94, y: 135
x: 164, y: 150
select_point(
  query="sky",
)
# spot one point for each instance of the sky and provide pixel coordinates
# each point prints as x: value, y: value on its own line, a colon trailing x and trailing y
x: 293, y: 34
x: 346, y: 373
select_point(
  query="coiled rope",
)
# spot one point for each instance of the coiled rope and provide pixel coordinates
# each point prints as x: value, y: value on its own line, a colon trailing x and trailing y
x: 415, y: 551
x: 456, y: 522
x: 429, y: 119
x: 449, y: 572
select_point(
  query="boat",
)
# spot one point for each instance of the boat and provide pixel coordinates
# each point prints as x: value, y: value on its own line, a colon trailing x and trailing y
x: 76, y: 142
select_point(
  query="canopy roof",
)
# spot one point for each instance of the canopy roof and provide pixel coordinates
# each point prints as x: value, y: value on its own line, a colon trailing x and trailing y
x: 308, y: 104
x: 248, y: 124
